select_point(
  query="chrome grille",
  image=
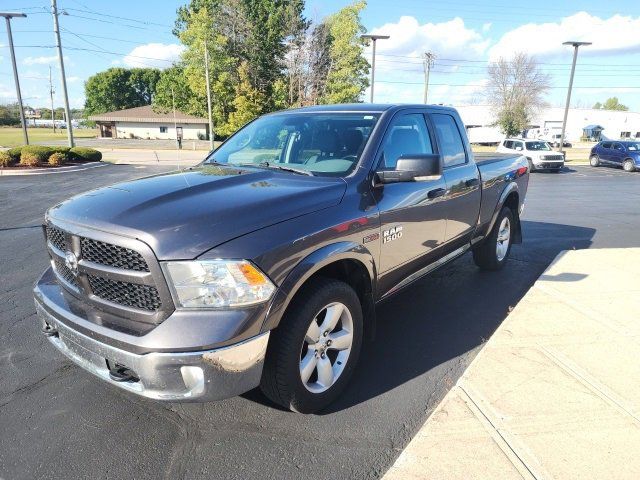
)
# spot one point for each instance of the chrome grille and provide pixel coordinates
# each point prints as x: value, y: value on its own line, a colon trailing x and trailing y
x: 553, y: 157
x: 116, y: 274
x: 144, y: 297
x: 112, y: 255
x: 65, y: 273
x: 56, y: 237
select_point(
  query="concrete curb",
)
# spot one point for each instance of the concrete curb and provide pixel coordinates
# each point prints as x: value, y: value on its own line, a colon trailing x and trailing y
x: 48, y: 171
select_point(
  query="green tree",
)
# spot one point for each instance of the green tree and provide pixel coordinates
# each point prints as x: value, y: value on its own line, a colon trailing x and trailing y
x: 348, y: 70
x: 120, y: 88
x: 248, y: 102
x: 611, y: 104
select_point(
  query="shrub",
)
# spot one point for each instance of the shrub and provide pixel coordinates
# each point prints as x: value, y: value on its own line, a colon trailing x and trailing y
x: 33, y: 155
x: 30, y: 159
x: 6, y: 160
x: 57, y: 159
x: 63, y: 150
x: 14, y: 153
x: 85, y: 154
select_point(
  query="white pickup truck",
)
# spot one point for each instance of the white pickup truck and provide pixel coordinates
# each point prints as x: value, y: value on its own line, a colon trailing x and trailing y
x: 539, y: 153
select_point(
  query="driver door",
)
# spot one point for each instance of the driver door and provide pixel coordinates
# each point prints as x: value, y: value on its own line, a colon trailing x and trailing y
x: 412, y: 214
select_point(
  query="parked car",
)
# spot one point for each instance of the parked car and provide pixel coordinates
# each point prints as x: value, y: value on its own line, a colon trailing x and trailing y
x: 264, y: 264
x: 623, y: 154
x: 555, y: 141
x: 538, y: 153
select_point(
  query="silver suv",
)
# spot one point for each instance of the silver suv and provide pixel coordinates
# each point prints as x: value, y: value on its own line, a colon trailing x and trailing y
x: 538, y: 152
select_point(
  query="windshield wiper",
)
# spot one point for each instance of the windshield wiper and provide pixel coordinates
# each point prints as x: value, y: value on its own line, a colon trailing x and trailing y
x: 299, y: 171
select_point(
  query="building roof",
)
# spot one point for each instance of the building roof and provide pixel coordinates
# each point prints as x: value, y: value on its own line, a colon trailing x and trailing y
x: 145, y: 114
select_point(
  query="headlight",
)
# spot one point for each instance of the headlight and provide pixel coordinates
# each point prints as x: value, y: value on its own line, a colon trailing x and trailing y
x: 217, y: 283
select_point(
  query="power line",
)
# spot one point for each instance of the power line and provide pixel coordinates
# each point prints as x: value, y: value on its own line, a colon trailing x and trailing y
x: 93, y: 12
x: 484, y: 85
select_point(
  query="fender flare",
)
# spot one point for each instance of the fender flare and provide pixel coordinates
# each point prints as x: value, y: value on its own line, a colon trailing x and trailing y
x: 313, y: 263
x: 508, y: 190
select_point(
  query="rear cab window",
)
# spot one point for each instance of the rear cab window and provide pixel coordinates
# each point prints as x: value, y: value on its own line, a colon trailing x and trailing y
x: 449, y: 140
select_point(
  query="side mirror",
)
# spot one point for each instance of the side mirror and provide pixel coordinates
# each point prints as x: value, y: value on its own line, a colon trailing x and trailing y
x: 412, y: 168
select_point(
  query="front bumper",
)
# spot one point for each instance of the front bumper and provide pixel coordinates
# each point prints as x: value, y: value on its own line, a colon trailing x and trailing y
x: 201, y: 375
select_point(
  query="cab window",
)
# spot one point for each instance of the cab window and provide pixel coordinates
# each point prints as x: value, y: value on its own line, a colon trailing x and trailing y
x: 449, y: 140
x: 407, y: 135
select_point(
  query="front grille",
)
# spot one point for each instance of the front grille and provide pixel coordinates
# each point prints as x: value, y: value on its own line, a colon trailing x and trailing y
x: 554, y: 157
x: 112, y: 255
x: 143, y: 297
x: 56, y: 238
x: 65, y: 273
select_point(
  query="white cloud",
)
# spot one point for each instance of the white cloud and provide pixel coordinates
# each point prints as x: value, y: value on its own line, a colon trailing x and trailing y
x: 486, y: 26
x: 618, y: 34
x: 73, y: 79
x: 449, y: 39
x: 156, y: 55
x: 40, y: 60
x: 116, y: 62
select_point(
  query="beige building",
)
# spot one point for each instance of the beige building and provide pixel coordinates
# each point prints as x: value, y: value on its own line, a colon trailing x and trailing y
x: 144, y: 123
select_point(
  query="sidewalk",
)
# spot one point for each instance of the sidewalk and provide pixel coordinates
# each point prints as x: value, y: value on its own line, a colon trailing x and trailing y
x: 555, y: 393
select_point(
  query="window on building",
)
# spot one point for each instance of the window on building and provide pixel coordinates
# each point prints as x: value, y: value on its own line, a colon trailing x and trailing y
x: 625, y: 134
x: 637, y: 134
x: 164, y: 129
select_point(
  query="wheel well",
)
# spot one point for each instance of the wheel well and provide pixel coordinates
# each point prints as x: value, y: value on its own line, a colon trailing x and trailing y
x: 513, y: 203
x: 355, y: 274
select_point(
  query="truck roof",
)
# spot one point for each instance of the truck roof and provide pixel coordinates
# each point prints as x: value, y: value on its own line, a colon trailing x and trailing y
x: 359, y: 107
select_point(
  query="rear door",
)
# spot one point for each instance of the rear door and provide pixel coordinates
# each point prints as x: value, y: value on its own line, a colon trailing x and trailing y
x: 413, y: 214
x: 604, y: 152
x: 617, y: 153
x: 462, y: 179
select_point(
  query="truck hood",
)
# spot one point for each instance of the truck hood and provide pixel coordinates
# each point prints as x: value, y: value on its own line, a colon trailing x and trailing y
x: 180, y: 215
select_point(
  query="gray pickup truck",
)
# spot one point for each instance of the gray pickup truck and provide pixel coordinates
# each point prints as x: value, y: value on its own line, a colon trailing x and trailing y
x: 263, y: 265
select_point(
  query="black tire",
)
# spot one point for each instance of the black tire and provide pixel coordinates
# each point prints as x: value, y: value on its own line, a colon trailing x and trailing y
x: 485, y: 255
x: 594, y: 160
x: 281, y: 380
x: 628, y: 165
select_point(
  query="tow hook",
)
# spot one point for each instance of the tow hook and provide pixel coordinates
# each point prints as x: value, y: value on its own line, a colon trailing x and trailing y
x: 121, y: 373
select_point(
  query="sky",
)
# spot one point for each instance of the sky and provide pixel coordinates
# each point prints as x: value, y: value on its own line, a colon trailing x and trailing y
x: 464, y: 35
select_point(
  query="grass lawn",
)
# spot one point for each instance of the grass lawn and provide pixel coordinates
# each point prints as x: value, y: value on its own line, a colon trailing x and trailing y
x: 12, y: 137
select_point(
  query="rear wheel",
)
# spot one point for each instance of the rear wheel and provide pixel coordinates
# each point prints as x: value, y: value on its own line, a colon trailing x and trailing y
x: 313, y: 352
x: 594, y: 161
x: 492, y: 254
x: 628, y: 165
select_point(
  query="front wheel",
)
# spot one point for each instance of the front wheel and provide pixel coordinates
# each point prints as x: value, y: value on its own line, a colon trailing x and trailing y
x: 493, y: 252
x: 628, y: 165
x: 594, y: 161
x: 313, y: 352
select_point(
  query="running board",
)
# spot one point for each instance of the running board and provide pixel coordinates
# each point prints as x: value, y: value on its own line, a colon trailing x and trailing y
x: 428, y: 269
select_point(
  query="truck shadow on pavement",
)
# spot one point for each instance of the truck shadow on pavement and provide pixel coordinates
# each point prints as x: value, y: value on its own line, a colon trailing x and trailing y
x: 444, y: 316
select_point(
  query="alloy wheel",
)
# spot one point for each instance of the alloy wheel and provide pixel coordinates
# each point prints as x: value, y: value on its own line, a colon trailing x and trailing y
x: 504, y: 237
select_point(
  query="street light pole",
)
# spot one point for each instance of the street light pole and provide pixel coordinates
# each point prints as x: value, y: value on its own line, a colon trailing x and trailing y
x: 56, y: 31
x: 575, y: 45
x: 8, y: 16
x: 373, y: 38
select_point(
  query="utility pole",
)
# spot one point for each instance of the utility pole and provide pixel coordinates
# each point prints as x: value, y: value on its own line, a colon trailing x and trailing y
x: 53, y: 112
x: 206, y: 74
x: 575, y: 45
x: 427, y: 63
x: 373, y: 38
x: 8, y: 16
x: 56, y: 31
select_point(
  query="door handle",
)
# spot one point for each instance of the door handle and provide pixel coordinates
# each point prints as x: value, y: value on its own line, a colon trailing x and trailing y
x: 472, y: 182
x: 438, y: 192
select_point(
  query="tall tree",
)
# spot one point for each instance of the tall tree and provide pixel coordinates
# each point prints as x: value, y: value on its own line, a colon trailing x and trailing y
x: 611, y: 104
x: 347, y: 76
x: 516, y: 90
x: 120, y: 88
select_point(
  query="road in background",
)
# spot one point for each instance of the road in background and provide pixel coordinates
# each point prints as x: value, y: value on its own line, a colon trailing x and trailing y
x: 59, y: 422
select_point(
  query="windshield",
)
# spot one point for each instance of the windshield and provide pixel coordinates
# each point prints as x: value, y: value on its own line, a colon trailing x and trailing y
x: 538, y: 146
x: 633, y: 147
x: 319, y: 144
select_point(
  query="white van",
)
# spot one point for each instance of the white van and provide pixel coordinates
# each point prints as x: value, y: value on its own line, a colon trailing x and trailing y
x: 538, y: 152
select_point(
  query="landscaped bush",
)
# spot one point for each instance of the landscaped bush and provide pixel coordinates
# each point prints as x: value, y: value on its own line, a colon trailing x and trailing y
x: 57, y: 159
x: 85, y: 154
x: 34, y: 155
x: 63, y: 150
x: 6, y: 160
x: 14, y: 153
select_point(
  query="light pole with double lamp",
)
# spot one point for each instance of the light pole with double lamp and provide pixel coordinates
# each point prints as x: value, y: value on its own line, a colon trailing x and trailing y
x: 575, y: 45
x: 373, y: 38
x: 8, y: 16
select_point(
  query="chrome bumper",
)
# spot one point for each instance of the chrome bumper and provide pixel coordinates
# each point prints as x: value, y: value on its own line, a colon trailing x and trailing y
x: 189, y: 376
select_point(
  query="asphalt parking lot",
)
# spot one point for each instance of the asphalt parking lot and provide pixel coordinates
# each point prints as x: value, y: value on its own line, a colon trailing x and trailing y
x: 56, y: 421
